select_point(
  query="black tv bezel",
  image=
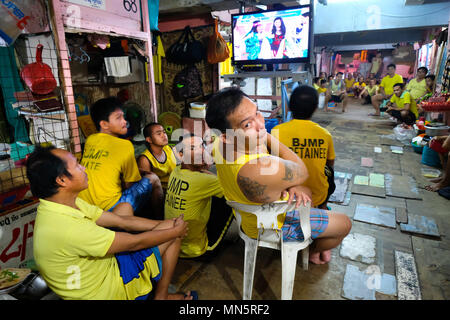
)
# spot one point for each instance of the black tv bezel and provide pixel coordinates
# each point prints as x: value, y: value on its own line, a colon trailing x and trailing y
x: 274, y: 61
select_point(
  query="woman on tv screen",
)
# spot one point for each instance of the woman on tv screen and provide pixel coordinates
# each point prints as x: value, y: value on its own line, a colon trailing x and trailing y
x: 253, y: 40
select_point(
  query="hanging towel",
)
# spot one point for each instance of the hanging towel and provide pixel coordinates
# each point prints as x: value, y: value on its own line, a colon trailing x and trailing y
x: 10, y: 83
x: 117, y: 66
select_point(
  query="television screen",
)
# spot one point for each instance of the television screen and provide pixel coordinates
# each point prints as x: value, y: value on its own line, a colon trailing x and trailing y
x: 275, y: 36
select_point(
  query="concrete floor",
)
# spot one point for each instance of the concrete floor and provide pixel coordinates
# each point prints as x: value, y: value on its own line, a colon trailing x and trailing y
x: 355, y: 135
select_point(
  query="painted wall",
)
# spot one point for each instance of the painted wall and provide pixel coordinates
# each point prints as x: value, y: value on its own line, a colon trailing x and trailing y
x: 340, y: 16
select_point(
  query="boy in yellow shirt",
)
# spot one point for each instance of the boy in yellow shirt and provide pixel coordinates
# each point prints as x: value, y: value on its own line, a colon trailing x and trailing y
x: 386, y: 89
x: 312, y: 143
x: 77, y: 253
x: 349, y: 82
x: 110, y: 164
x: 358, y: 87
x: 159, y: 159
x: 369, y: 91
x: 322, y: 86
x: 196, y: 193
x: 402, y: 106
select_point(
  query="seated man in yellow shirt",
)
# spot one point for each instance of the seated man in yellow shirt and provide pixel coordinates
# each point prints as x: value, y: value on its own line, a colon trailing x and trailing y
x: 349, y: 82
x: 358, y: 87
x: 195, y: 193
x: 417, y: 87
x: 402, y: 106
x: 110, y: 163
x: 77, y: 253
x: 159, y: 159
x: 369, y: 91
x: 312, y: 143
x: 386, y: 89
x: 249, y: 174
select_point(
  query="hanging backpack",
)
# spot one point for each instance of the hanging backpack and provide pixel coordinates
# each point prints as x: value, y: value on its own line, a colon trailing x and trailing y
x: 186, y: 50
x: 217, y: 47
x: 187, y: 84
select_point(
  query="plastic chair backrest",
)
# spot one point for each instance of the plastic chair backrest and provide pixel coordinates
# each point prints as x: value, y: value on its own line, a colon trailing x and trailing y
x: 266, y: 217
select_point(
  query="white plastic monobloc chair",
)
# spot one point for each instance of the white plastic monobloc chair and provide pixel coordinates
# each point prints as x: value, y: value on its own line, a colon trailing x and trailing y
x: 270, y: 236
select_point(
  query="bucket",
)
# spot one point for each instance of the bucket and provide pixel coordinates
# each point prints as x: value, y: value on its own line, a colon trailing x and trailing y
x: 416, y: 148
x: 430, y: 157
x: 197, y: 110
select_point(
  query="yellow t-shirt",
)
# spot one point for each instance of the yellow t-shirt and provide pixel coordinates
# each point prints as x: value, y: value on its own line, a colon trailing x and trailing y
x: 357, y: 84
x: 70, y: 250
x: 316, y: 86
x: 314, y: 145
x: 162, y: 169
x: 189, y: 193
x: 349, y: 83
x: 372, y: 91
x: 321, y: 90
x: 227, y: 173
x: 108, y: 161
x: 388, y: 83
x: 417, y: 89
x: 404, y: 99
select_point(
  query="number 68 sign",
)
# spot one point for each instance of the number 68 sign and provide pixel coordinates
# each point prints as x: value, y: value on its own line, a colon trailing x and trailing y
x: 16, y: 237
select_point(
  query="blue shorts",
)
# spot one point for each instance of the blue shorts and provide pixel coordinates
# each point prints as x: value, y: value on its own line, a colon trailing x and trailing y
x: 292, y: 230
x: 136, y: 195
x: 139, y: 270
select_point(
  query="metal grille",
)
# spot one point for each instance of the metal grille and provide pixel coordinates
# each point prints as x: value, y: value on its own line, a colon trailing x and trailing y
x: 33, y: 109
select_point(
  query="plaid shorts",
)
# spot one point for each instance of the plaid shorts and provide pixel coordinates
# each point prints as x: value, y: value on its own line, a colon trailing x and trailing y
x: 292, y: 230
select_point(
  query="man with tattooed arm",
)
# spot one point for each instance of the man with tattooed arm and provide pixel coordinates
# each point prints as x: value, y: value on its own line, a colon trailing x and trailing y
x: 254, y: 168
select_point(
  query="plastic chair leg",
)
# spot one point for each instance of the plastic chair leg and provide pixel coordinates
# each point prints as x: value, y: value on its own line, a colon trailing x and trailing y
x: 251, y: 249
x: 288, y: 266
x: 305, y: 258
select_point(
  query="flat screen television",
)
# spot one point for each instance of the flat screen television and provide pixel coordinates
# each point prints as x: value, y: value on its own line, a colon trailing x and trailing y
x: 271, y: 37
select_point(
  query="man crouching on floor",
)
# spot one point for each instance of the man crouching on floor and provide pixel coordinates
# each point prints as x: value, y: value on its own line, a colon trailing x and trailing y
x: 78, y: 257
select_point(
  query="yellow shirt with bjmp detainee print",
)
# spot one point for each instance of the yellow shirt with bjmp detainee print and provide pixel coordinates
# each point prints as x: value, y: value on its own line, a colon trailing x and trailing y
x: 314, y: 145
x: 109, y: 161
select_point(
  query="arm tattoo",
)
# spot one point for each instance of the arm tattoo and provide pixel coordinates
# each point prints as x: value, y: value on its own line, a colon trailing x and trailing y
x: 252, y: 189
x: 288, y: 172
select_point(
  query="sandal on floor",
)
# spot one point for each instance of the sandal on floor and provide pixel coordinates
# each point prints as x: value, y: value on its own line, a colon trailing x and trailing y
x: 373, y: 115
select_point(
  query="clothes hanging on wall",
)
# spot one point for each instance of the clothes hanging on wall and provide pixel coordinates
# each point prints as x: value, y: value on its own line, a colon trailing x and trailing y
x: 226, y: 67
x: 117, y: 66
x: 157, y: 67
x: 10, y: 83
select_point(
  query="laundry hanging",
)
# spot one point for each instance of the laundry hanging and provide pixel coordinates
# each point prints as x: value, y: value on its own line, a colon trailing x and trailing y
x: 117, y: 66
x: 10, y: 83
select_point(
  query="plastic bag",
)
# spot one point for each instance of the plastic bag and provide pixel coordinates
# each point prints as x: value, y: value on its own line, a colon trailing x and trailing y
x: 404, y: 135
x: 217, y: 47
x: 321, y: 100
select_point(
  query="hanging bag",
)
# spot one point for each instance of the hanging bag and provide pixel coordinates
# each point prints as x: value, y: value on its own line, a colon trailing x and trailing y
x: 217, y: 47
x: 194, y: 51
x: 187, y: 84
x: 175, y: 52
x: 186, y: 50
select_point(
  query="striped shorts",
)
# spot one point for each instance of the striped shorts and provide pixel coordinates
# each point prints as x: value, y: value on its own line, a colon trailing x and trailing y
x: 139, y: 271
x: 292, y: 230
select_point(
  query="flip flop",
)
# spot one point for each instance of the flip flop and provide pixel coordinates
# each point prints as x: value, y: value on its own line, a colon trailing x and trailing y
x: 373, y: 115
x: 194, y: 295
